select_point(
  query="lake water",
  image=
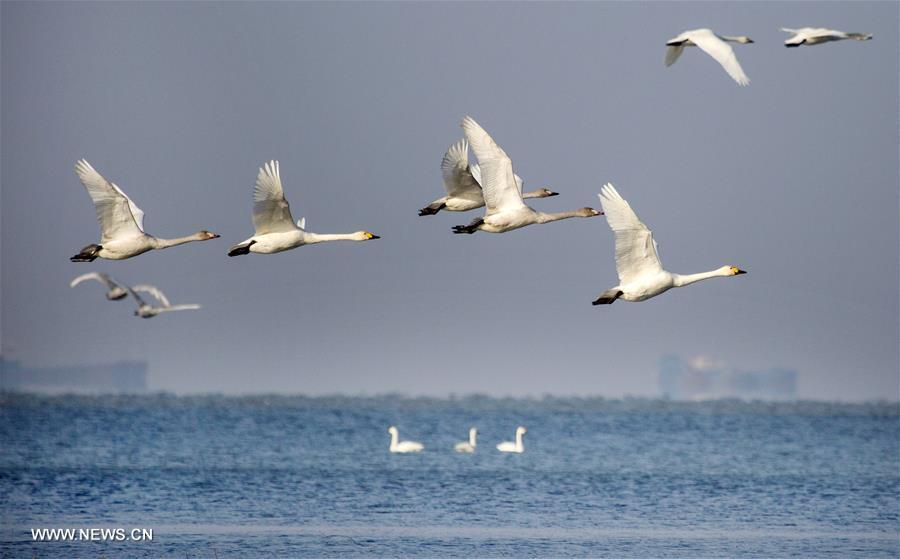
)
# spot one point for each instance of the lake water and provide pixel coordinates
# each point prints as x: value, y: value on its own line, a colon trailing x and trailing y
x: 312, y: 477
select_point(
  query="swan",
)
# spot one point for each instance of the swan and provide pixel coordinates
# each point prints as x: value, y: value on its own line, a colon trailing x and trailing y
x: 463, y: 183
x: 145, y: 310
x: 640, y: 273
x: 402, y: 447
x: 275, y: 229
x: 114, y: 290
x: 517, y: 447
x: 818, y: 35
x: 467, y: 446
x: 505, y: 209
x: 713, y: 45
x: 121, y: 222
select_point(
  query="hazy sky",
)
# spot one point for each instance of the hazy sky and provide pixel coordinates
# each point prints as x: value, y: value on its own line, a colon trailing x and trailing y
x: 794, y: 178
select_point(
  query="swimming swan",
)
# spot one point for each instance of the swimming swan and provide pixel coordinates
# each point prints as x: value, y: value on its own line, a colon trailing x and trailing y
x: 640, y: 273
x: 463, y: 183
x: 819, y: 35
x: 121, y: 222
x: 275, y: 228
x: 145, y: 310
x: 467, y: 446
x: 713, y: 45
x: 402, y: 447
x: 517, y: 447
x: 505, y: 209
x: 114, y: 290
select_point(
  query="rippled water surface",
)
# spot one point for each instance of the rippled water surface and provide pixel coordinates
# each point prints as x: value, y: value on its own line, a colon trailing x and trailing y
x: 308, y: 477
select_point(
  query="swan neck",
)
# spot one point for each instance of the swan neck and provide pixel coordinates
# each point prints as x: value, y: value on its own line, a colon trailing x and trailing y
x: 311, y: 238
x: 680, y: 280
x: 166, y: 243
x: 394, y: 437
x: 547, y: 218
x: 472, y: 438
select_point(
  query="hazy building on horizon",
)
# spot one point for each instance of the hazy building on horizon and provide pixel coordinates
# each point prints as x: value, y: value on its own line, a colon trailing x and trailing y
x: 121, y: 377
x: 702, y: 378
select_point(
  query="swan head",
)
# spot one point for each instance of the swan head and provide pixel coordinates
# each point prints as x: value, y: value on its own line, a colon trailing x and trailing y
x: 521, y: 430
x: 473, y: 431
x: 588, y: 212
x: 392, y: 430
x: 743, y: 39
x: 116, y: 293
x: 205, y: 235
x: 364, y: 236
x: 732, y: 270
x: 546, y: 193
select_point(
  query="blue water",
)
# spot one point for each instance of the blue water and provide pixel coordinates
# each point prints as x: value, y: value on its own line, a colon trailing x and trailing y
x: 312, y: 477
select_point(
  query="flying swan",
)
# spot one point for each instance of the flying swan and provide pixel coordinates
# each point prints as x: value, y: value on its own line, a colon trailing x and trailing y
x: 121, y: 222
x: 114, y: 290
x: 640, y: 273
x: 517, y: 447
x: 463, y: 183
x: 505, y: 209
x: 146, y: 310
x: 402, y: 447
x: 467, y: 446
x: 275, y: 229
x: 713, y: 45
x: 819, y: 35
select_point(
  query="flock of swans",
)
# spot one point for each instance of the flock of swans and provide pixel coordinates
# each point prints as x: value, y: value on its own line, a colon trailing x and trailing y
x: 116, y: 291
x: 404, y: 447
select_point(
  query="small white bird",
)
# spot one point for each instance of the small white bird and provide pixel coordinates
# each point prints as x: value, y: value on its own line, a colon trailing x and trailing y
x: 146, y: 310
x: 641, y: 275
x: 818, y: 35
x: 114, y: 290
x: 469, y: 446
x: 517, y: 447
x: 504, y: 207
x: 462, y: 182
x: 121, y: 222
x: 275, y: 228
x: 713, y: 45
x: 402, y: 447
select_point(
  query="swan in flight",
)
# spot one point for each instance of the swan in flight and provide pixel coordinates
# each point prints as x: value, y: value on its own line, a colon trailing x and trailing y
x: 818, y: 35
x: 517, y: 447
x: 121, y: 222
x: 467, y: 446
x: 505, y: 209
x: 146, y: 310
x: 274, y: 225
x: 713, y: 45
x: 114, y: 290
x: 402, y: 447
x: 463, y: 183
x: 640, y: 273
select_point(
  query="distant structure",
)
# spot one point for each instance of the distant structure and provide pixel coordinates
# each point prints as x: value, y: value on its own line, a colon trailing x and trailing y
x: 122, y: 377
x: 702, y: 378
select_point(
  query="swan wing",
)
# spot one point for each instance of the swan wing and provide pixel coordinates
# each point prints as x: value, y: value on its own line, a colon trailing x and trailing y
x: 157, y: 294
x: 119, y: 217
x: 636, y: 253
x: 138, y: 298
x: 672, y: 53
x: 302, y: 224
x: 271, y: 211
x: 497, y: 178
x: 721, y: 52
x: 459, y: 179
x: 189, y: 307
x: 102, y: 278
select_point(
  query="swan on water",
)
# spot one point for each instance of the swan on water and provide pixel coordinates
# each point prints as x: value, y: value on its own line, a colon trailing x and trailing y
x: 504, y: 208
x: 146, y: 310
x: 467, y: 446
x: 819, y: 35
x: 274, y: 225
x: 121, y: 222
x: 114, y: 291
x: 402, y: 447
x: 714, y: 45
x: 462, y: 182
x: 641, y: 275
x: 517, y: 446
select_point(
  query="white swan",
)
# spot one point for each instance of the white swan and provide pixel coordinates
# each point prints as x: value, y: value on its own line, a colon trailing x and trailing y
x: 145, y: 310
x: 275, y: 228
x: 121, y: 222
x: 114, y: 290
x: 505, y: 209
x: 517, y: 447
x: 818, y: 35
x: 402, y: 447
x: 463, y: 183
x: 641, y: 275
x: 713, y: 45
x: 467, y: 446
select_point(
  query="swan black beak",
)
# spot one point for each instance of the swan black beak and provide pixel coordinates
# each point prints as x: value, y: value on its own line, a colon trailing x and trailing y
x: 739, y: 272
x: 216, y: 236
x: 374, y: 237
x: 551, y: 193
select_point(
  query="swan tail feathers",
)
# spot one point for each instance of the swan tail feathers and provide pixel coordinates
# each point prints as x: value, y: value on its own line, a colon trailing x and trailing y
x: 608, y: 297
x: 432, y: 208
x: 239, y: 249
x: 87, y: 254
x: 470, y: 228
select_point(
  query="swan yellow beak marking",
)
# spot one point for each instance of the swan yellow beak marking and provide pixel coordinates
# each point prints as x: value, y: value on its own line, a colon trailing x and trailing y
x: 735, y: 270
